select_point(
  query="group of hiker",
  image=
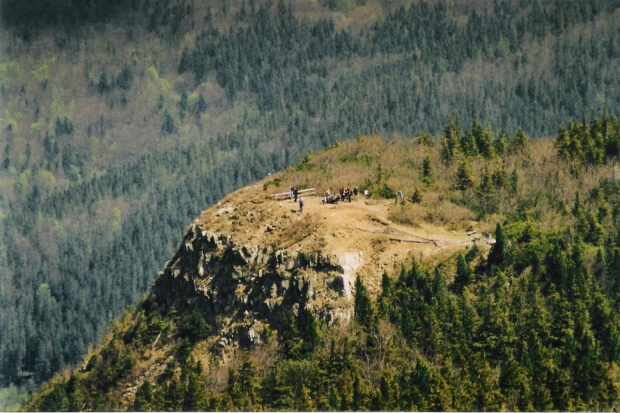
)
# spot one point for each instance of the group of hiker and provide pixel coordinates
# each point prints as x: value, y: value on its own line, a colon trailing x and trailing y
x: 344, y: 194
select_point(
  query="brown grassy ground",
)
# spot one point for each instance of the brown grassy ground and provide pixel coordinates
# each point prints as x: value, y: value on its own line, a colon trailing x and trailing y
x: 386, y: 233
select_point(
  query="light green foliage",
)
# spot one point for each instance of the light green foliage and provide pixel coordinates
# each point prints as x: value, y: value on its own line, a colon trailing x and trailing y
x: 305, y: 164
x: 8, y: 122
x: 42, y: 73
x: 11, y: 398
x: 276, y: 182
x: 9, y: 70
x: 364, y: 159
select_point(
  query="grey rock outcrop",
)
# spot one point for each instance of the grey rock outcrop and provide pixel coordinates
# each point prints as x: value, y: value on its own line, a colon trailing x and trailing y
x: 241, y: 289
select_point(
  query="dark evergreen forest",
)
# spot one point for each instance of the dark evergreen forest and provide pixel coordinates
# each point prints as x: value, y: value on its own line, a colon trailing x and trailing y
x: 77, y: 252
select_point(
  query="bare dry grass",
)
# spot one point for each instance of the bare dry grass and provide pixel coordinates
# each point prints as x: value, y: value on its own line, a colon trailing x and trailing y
x: 545, y: 184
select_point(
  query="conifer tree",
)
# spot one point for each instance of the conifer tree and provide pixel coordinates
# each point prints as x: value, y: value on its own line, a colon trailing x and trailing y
x: 387, y: 391
x: 468, y: 144
x: 416, y: 197
x: 463, y: 177
x: 75, y: 391
x: 167, y: 126
x: 499, y: 251
x: 486, y: 389
x: 359, y: 395
x: 439, y: 287
x: 520, y: 143
x: 364, y: 312
x: 464, y: 275
x: 500, y: 179
x: 562, y: 144
x: 501, y: 145
x: 514, y: 384
x: 484, y: 139
x: 201, y: 105
x: 305, y: 400
x: 290, y: 337
x: 406, y: 325
x: 194, y: 327
x: 386, y: 305
x: 308, y: 330
x: 485, y: 183
x: 451, y: 142
x: 144, y: 397
x: 595, y: 230
x: 247, y: 384
x: 514, y: 181
x: 577, y: 208
x: 427, y: 171
x: 557, y: 266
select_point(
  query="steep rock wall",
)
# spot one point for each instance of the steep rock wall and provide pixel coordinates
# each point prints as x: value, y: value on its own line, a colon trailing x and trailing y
x: 242, y: 288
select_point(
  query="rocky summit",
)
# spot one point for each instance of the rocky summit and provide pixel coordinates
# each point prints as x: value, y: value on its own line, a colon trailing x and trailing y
x: 486, y: 286
x: 251, y: 259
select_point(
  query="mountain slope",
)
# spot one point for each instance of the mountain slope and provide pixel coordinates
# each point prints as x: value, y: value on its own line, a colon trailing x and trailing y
x: 118, y: 127
x: 264, y: 307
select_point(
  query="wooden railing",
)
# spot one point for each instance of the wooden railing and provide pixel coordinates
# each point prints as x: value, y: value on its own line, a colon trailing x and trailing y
x: 284, y: 195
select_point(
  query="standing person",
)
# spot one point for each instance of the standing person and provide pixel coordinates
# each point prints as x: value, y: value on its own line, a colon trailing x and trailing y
x: 295, y: 193
x: 292, y: 188
x: 355, y: 192
x: 301, y: 204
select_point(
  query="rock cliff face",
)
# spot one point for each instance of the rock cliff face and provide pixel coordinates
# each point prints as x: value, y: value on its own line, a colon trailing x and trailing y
x: 241, y: 288
x: 250, y: 260
x: 245, y: 265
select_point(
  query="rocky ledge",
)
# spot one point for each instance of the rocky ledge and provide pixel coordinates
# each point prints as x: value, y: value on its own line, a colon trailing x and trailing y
x: 241, y: 289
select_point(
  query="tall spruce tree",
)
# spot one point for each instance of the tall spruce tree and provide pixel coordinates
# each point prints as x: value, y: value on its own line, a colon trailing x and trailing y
x: 464, y: 275
x: 364, y: 312
x: 499, y: 251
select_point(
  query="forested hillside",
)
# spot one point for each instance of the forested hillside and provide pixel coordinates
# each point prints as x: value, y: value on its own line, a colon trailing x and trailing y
x: 121, y: 121
x: 530, y: 325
